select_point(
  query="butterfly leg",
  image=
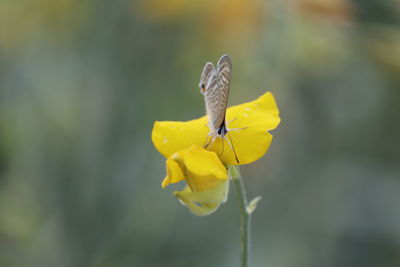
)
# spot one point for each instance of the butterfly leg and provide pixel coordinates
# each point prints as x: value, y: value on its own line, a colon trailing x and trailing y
x: 208, y: 141
x: 211, y: 140
x: 236, y: 129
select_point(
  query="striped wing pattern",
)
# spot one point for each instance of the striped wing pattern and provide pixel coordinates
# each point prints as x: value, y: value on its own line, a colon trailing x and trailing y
x: 214, y: 85
x: 224, y: 69
x: 206, y: 77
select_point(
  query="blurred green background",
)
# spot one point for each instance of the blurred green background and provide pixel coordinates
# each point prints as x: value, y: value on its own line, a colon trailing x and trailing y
x: 83, y: 81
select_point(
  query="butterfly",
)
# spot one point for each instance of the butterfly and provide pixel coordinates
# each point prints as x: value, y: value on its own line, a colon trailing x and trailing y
x: 214, y: 85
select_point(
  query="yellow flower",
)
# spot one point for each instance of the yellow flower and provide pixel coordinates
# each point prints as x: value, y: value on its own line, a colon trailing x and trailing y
x: 204, y: 170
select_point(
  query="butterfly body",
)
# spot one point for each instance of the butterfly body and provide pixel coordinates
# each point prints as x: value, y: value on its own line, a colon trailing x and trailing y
x: 222, y: 130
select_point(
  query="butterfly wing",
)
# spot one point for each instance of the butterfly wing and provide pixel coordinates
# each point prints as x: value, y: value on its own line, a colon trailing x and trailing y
x: 224, y: 70
x: 214, y: 85
x: 209, y: 88
x: 206, y: 76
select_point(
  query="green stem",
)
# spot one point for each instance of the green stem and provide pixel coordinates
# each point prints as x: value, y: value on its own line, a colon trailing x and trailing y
x: 244, y: 214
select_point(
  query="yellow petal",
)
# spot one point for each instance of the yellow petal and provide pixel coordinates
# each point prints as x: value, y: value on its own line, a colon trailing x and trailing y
x: 216, y: 194
x: 170, y: 137
x: 252, y: 142
x: 174, y: 173
x: 201, y: 162
x: 206, y: 202
x: 199, y: 209
x: 201, y: 169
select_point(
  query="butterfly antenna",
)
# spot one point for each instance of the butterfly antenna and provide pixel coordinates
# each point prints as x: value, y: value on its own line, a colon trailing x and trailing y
x: 223, y: 142
x: 210, y: 142
x: 233, y: 148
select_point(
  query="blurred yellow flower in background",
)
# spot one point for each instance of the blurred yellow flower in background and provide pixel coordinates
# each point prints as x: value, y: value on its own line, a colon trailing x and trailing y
x: 205, y: 170
x: 215, y: 20
x: 341, y: 10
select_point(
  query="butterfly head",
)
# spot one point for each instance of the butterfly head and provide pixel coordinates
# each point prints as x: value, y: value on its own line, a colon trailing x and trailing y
x: 222, y: 131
